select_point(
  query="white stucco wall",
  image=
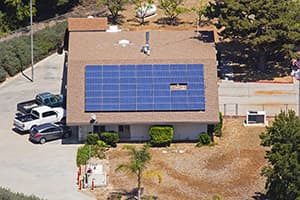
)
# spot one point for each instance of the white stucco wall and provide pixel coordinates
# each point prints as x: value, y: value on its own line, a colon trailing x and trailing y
x: 140, y: 132
x: 188, y: 131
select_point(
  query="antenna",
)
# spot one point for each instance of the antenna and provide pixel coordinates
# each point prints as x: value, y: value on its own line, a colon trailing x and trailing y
x: 147, y: 37
x: 146, y: 48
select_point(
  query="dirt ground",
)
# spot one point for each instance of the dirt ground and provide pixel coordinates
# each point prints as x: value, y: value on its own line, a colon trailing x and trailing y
x: 231, y: 168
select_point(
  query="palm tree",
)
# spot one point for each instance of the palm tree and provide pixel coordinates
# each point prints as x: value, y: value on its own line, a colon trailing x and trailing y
x: 138, y: 163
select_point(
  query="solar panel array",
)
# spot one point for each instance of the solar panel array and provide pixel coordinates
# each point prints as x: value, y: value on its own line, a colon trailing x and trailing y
x: 117, y: 88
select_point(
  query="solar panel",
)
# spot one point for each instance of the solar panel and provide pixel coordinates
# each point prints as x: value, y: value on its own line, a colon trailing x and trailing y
x: 157, y: 87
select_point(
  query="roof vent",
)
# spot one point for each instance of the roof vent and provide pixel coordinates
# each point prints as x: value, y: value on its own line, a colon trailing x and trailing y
x: 90, y: 17
x: 113, y: 29
x: 124, y: 43
x: 146, y: 48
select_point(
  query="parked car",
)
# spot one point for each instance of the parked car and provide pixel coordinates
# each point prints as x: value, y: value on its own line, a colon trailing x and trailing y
x: 46, y: 99
x: 39, y: 115
x: 49, y: 131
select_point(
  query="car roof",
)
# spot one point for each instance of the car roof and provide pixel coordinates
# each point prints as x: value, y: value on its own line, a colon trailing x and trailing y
x: 45, y: 126
x: 42, y: 108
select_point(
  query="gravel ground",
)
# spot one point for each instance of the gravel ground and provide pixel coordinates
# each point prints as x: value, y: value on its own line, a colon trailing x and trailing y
x: 231, y: 168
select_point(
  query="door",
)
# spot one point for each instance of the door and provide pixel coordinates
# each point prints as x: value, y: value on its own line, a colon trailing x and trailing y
x: 49, y: 116
x: 124, y: 132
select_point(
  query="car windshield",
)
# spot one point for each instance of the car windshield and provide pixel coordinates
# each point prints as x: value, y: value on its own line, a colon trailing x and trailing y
x: 33, y: 131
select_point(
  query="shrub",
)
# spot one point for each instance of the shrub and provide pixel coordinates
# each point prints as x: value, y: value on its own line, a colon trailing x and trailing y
x: 2, y: 75
x: 83, y: 154
x: 161, y: 136
x: 15, y: 53
x: 110, y: 138
x: 92, y: 138
x: 204, y: 139
x: 7, y: 194
x: 218, y: 127
x: 101, y: 143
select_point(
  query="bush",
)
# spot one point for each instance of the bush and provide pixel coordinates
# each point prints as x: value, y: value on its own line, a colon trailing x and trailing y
x: 92, y: 138
x: 2, y: 75
x: 101, y: 143
x: 15, y: 53
x: 110, y: 138
x: 218, y: 127
x: 161, y: 136
x: 7, y: 194
x: 84, y: 153
x: 204, y: 139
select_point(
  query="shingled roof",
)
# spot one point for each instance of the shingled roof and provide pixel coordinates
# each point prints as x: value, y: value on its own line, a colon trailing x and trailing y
x: 87, y: 24
x: 167, y: 47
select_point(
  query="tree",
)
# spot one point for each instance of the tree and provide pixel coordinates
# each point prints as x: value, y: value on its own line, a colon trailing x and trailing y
x: 283, y: 171
x: 138, y: 163
x: 172, y: 8
x: 143, y: 7
x: 199, y: 10
x: 114, y: 7
x: 271, y: 27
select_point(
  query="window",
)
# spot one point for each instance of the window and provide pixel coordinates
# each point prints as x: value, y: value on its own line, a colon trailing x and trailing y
x: 47, y: 101
x: 178, y: 86
x: 124, y: 128
x: 99, y: 129
x: 49, y: 114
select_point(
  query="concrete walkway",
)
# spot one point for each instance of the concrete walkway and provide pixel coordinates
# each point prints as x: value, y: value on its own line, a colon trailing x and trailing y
x: 48, y: 171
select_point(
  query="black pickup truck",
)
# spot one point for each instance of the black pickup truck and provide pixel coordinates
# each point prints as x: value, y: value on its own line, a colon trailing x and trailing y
x: 46, y: 98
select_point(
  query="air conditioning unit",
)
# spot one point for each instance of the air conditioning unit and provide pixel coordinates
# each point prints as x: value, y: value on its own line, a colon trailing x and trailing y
x: 256, y: 118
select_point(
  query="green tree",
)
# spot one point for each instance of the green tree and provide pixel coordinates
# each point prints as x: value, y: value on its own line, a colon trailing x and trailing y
x: 138, y: 163
x: 143, y: 7
x: 271, y: 27
x: 172, y: 8
x: 283, y: 171
x: 114, y: 7
x: 199, y: 10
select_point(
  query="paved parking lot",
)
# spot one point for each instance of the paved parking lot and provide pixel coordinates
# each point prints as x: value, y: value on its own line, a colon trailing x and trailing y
x: 49, y: 170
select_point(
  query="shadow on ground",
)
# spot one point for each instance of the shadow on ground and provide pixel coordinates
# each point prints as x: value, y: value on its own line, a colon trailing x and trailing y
x: 244, y: 63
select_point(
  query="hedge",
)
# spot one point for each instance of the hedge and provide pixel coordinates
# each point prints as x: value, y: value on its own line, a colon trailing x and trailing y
x: 2, y: 74
x: 110, y: 138
x: 16, y: 54
x: 87, y: 151
x: 6, y: 194
x: 161, y: 136
x: 92, y: 138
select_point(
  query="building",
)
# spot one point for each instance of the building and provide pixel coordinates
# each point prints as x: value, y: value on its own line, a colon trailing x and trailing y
x: 126, y: 82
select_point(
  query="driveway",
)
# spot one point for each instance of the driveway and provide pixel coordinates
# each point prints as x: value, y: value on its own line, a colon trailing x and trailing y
x: 49, y: 170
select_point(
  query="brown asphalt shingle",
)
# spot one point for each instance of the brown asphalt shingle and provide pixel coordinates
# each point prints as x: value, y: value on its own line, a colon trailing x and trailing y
x: 87, y: 24
x: 166, y: 47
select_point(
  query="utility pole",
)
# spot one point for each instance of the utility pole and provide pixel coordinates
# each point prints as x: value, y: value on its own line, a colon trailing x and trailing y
x: 31, y: 42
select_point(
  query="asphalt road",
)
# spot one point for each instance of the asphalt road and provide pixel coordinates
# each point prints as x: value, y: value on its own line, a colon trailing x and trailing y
x: 49, y: 170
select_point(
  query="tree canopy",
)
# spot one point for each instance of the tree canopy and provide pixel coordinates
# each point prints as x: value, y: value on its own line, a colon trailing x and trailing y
x: 15, y: 14
x: 172, y: 8
x: 271, y: 27
x: 114, y: 7
x: 283, y: 171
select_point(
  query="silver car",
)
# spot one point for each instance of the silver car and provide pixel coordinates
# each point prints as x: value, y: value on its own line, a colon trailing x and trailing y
x: 49, y: 131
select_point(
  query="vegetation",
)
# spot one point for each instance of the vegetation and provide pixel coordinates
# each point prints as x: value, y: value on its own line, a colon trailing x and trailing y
x: 199, y: 10
x: 283, y: 171
x: 87, y: 151
x: 15, y: 14
x: 92, y: 138
x: 172, y: 8
x: 218, y: 127
x: 110, y: 138
x: 114, y: 7
x: 15, y: 55
x: 270, y: 27
x: 161, y: 136
x: 204, y: 139
x: 138, y: 163
x: 6, y: 194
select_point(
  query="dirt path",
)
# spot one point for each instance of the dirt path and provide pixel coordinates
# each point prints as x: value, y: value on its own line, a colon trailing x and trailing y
x: 231, y: 168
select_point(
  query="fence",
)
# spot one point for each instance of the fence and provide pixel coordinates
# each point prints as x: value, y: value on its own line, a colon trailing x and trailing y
x: 241, y: 109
